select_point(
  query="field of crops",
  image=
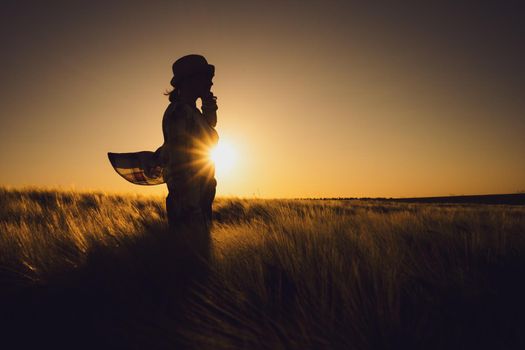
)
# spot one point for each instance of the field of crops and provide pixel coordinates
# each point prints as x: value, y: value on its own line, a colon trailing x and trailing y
x: 96, y: 270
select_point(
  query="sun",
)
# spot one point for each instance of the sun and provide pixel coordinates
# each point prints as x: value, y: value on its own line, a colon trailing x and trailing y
x: 224, y: 157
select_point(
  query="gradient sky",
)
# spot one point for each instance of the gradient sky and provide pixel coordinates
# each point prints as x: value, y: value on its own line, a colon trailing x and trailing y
x: 320, y: 99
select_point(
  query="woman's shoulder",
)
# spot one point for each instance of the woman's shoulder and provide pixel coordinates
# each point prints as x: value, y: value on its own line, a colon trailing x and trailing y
x: 176, y: 111
x: 178, y: 118
x: 177, y: 108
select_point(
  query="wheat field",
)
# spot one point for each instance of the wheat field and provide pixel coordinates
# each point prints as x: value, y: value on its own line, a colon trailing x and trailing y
x: 85, y: 270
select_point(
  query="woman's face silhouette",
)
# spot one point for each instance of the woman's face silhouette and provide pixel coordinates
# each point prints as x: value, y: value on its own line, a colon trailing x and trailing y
x: 198, y: 85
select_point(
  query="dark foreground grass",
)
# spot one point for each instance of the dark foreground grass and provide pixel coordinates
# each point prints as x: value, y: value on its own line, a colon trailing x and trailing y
x: 86, y: 270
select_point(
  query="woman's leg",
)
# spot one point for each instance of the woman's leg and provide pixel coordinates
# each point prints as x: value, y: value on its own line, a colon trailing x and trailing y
x: 188, y: 225
x: 190, y: 239
x: 208, y: 196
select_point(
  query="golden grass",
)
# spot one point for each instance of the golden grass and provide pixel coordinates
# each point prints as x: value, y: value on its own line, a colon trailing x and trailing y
x: 285, y: 273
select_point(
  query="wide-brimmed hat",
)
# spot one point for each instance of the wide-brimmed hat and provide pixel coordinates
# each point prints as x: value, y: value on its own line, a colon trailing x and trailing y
x: 190, y: 65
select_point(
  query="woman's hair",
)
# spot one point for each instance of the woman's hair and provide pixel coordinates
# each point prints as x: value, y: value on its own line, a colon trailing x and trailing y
x: 173, y: 94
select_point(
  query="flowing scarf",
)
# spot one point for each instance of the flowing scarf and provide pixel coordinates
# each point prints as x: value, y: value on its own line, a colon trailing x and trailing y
x: 140, y: 168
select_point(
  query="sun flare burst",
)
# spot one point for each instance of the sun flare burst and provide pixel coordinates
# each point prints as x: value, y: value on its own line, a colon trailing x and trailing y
x: 223, y: 156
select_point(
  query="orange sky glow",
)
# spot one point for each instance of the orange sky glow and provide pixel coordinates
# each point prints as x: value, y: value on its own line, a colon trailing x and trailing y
x: 318, y: 99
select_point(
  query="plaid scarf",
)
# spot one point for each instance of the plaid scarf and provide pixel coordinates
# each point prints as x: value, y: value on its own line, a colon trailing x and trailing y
x: 146, y: 168
x: 140, y: 168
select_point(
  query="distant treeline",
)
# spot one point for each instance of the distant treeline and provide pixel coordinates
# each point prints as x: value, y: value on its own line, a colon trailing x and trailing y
x: 508, y: 199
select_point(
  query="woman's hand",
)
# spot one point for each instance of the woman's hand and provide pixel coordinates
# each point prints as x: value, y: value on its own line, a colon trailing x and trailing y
x: 209, y: 100
x: 209, y: 108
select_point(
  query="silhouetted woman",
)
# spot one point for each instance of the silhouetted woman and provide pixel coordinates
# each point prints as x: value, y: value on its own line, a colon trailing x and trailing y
x: 183, y: 161
x: 189, y: 173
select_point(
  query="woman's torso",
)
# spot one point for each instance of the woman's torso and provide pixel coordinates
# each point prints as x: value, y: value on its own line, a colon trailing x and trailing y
x: 201, y: 139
